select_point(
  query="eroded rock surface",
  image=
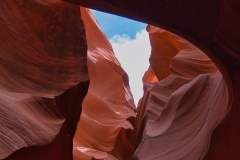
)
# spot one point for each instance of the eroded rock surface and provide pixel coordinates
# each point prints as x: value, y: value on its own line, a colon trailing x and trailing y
x: 43, y: 53
x: 108, y: 103
x: 210, y: 25
x: 177, y: 115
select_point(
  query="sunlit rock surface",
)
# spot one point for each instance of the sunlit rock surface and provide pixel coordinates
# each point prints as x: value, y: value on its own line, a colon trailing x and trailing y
x: 212, y: 26
x: 108, y: 103
x: 165, y: 47
x: 178, y: 114
x: 43, y: 54
x: 149, y: 76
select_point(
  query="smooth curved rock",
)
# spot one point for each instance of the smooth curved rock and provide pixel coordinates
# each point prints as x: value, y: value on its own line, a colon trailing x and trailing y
x: 177, y: 115
x: 108, y: 103
x: 165, y: 47
x: 179, y: 126
x: 149, y: 76
x: 43, y: 54
x: 213, y: 27
x: 43, y: 44
x: 27, y: 122
x: 69, y: 105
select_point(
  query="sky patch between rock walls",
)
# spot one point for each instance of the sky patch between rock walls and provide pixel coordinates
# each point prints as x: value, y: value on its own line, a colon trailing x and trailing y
x: 131, y: 45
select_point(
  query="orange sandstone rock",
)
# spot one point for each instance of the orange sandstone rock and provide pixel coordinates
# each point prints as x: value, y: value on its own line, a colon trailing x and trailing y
x: 43, y: 43
x: 213, y: 26
x: 43, y: 54
x: 149, y: 76
x: 108, y: 103
x: 177, y: 115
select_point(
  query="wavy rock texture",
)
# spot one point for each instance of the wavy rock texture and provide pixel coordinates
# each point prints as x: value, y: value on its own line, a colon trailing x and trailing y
x: 165, y: 47
x: 177, y: 115
x: 42, y: 43
x: 108, y: 103
x: 27, y: 122
x: 43, y: 53
x: 211, y: 25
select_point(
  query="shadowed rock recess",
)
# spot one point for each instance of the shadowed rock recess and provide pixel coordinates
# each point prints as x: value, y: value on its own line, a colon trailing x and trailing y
x: 65, y: 96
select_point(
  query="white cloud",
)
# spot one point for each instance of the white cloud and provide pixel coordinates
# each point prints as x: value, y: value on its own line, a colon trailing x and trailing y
x: 133, y: 55
x: 120, y: 39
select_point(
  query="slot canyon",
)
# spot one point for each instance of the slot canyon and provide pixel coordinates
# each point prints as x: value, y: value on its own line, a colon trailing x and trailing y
x: 65, y: 96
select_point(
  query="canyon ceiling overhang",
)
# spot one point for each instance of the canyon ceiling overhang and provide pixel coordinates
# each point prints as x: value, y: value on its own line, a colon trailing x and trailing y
x: 213, y: 26
x: 210, y: 25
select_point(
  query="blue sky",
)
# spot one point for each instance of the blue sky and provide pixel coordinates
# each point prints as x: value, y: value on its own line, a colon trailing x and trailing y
x: 112, y: 25
x: 131, y: 46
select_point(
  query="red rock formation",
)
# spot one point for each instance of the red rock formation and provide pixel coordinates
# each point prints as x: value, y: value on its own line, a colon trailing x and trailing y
x: 177, y: 115
x: 43, y: 54
x: 52, y: 33
x: 165, y: 47
x: 210, y: 25
x: 108, y: 103
x: 202, y: 23
x: 69, y: 105
x: 149, y: 76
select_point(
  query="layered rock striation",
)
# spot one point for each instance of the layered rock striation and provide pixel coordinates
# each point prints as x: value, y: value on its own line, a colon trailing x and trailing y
x: 108, y: 103
x: 177, y: 115
x: 43, y: 54
x: 210, y: 25
x: 46, y: 61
